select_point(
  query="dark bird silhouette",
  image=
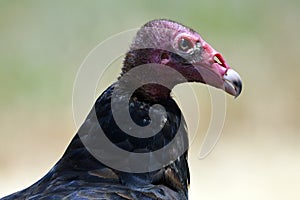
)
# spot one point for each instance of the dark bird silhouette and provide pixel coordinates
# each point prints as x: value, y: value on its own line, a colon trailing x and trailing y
x: 167, y: 48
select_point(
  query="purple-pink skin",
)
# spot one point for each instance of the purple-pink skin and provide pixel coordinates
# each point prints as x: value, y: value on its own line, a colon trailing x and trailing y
x: 159, y: 40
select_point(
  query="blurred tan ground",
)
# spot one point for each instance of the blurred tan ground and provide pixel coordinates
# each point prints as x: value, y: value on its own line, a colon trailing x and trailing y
x: 42, y: 44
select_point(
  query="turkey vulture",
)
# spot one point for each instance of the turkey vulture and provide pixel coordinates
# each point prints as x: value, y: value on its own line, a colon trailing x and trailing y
x: 171, y: 49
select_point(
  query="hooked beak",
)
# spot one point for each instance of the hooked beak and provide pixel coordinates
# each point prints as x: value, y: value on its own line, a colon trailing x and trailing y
x: 230, y: 80
x: 232, y: 83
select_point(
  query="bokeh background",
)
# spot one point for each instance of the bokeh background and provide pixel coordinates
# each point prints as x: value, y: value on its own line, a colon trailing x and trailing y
x: 43, y: 43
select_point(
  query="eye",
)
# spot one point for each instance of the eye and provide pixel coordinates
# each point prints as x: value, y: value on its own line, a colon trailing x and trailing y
x: 185, y: 44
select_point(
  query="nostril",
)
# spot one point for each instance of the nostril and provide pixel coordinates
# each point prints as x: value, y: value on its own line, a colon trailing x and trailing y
x: 219, y: 59
x: 216, y: 59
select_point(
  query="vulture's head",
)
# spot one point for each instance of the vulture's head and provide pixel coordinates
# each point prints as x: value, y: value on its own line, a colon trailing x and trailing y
x: 172, y: 44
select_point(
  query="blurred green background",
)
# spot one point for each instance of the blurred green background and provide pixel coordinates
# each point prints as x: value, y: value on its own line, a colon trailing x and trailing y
x: 43, y: 43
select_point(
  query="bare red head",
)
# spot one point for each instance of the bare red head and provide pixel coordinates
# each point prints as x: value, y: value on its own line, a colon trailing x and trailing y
x: 170, y: 43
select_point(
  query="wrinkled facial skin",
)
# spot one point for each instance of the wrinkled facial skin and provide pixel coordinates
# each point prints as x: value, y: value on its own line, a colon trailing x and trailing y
x: 183, y: 49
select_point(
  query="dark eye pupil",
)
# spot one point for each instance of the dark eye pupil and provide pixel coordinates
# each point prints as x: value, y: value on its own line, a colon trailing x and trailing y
x: 185, y: 44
